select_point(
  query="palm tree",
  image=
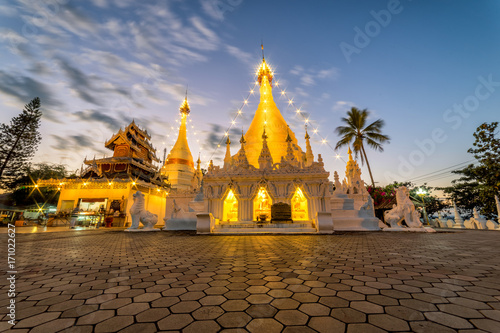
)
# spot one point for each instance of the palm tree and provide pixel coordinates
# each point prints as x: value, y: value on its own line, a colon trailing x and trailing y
x: 357, y: 133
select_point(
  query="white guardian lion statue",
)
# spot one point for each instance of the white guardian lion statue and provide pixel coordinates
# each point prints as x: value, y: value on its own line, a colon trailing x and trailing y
x: 403, y: 210
x: 139, y: 214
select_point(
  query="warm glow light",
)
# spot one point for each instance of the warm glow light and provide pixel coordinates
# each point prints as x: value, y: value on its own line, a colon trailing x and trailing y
x: 110, y: 184
x: 233, y: 122
x: 323, y: 141
x: 315, y: 131
x: 239, y: 111
x: 290, y: 102
x: 298, y: 110
x: 282, y: 92
x: 246, y: 101
x: 84, y: 184
x: 251, y: 91
x: 36, y: 185
x: 133, y: 183
x: 337, y: 156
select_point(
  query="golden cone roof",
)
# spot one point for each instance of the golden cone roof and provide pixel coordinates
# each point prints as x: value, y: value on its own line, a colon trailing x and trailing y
x: 180, y: 153
x: 268, y: 115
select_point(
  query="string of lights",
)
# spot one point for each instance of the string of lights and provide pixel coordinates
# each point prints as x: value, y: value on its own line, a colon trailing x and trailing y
x: 291, y: 103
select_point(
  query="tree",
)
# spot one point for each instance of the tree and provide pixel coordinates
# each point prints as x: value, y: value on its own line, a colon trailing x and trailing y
x: 358, y: 133
x: 479, y: 182
x: 18, y: 143
x: 26, y: 193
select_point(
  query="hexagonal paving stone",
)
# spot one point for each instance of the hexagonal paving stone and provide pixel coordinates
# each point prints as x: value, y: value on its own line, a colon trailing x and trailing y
x: 267, y: 325
x: 348, y: 315
x: 448, y: 320
x: 326, y: 324
x: 132, y: 309
x: 259, y: 299
x: 185, y: 307
x: 261, y: 311
x: 366, y: 307
x: 291, y: 317
x: 114, y: 324
x: 235, y: 305
x: 175, y: 322
x: 207, y: 312
x: 313, y: 309
x: 234, y: 319
x: 285, y: 304
x: 152, y: 315
x: 388, y: 322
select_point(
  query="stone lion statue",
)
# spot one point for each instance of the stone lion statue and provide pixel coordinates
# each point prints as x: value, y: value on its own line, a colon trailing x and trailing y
x: 139, y: 214
x: 403, y: 210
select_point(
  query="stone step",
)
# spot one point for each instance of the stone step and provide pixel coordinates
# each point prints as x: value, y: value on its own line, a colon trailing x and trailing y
x: 257, y: 228
x: 264, y: 231
x: 253, y: 225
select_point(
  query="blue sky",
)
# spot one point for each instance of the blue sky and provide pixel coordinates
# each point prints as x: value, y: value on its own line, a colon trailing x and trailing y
x: 430, y: 69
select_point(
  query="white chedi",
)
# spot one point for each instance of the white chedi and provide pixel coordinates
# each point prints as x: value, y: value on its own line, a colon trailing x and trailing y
x: 141, y: 215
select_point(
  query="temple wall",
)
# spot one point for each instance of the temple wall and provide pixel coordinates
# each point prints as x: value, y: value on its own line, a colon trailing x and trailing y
x: 153, y: 203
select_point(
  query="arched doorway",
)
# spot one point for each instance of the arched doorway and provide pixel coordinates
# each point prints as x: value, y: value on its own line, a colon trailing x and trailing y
x: 230, y: 210
x: 262, y: 205
x: 299, y: 206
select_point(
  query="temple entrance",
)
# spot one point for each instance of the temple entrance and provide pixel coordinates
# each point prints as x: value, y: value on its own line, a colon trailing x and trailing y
x: 230, y: 211
x: 299, y: 206
x: 262, y: 206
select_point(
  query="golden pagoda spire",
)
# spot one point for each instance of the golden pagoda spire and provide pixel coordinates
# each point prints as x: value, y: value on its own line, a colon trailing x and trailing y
x: 198, y: 163
x: 228, y: 158
x: 179, y: 166
x: 350, y: 153
x: 242, y: 140
x: 265, y: 158
x: 265, y: 70
x: 268, y: 114
x: 309, y: 153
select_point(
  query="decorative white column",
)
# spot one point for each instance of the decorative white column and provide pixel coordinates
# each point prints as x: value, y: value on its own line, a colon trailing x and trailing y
x: 459, y: 222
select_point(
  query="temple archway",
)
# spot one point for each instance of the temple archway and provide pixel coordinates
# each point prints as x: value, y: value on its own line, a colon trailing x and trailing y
x: 300, y: 210
x: 262, y: 205
x: 230, y: 210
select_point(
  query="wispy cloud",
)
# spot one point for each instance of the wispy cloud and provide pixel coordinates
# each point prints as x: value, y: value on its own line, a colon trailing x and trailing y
x: 309, y: 77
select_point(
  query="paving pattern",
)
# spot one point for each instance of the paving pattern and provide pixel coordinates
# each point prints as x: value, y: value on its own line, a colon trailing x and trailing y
x: 112, y: 281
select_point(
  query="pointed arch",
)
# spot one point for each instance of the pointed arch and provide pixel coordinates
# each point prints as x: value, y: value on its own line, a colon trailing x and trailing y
x: 230, y: 207
x: 300, y: 207
x: 262, y: 203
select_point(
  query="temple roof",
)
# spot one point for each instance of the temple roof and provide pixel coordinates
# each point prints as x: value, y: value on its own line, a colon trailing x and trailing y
x: 134, y: 137
x: 268, y: 115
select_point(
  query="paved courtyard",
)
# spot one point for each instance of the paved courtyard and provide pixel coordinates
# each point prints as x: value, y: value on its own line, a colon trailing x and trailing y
x: 112, y: 281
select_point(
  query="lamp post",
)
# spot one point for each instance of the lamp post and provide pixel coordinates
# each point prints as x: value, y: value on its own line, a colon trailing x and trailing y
x: 421, y: 193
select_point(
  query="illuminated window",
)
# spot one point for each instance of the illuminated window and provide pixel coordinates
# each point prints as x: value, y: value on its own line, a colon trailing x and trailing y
x: 230, y: 211
x: 262, y: 205
x: 299, y: 206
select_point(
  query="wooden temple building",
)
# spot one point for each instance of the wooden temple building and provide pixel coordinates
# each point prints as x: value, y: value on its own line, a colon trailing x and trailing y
x: 109, y: 183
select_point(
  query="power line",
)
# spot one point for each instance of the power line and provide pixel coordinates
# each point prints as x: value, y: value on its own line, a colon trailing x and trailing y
x: 430, y: 174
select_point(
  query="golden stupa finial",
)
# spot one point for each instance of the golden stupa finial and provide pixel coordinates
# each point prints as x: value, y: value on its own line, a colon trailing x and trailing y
x: 185, y: 105
x: 307, y: 137
x: 242, y: 140
x: 288, y: 138
x: 350, y: 153
x: 264, y: 70
x: 228, y: 142
x: 264, y: 135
